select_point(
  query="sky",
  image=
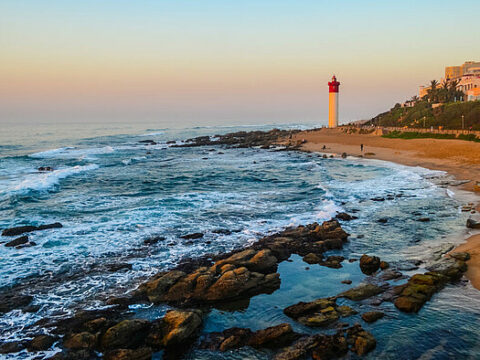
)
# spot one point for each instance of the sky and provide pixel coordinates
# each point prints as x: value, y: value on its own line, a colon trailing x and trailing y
x: 205, y: 62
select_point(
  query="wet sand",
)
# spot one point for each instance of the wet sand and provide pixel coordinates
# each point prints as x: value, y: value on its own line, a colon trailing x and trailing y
x: 459, y: 158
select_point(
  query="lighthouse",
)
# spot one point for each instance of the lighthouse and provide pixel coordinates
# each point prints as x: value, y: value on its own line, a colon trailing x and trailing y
x: 333, y: 102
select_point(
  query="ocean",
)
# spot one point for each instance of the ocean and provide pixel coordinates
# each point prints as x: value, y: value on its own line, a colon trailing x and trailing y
x: 111, y: 190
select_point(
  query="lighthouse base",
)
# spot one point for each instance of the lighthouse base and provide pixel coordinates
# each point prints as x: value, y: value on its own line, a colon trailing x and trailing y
x: 333, y: 110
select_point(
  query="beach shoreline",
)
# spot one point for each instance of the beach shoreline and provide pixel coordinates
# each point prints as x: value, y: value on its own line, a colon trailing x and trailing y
x: 458, y: 158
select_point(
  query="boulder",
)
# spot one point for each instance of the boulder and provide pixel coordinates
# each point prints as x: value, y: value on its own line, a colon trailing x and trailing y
x: 228, y: 339
x: 273, y: 337
x: 10, y: 301
x: 372, y: 316
x: 463, y: 256
x: 473, y: 224
x: 362, y: 341
x: 179, y: 326
x: 344, y: 216
x: 299, y: 349
x: 347, y: 281
x: 18, y: 241
x: 312, y: 258
x: 330, y: 347
x: 83, y: 340
x: 369, y: 264
x: 127, y: 334
x: 361, y: 292
x: 303, y: 308
x: 11, y: 347
x: 40, y: 343
x: 192, y: 236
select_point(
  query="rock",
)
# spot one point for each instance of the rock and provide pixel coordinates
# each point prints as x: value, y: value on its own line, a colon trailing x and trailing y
x: 382, y: 220
x: 472, y: 224
x: 362, y: 341
x: 361, y: 292
x: 372, y: 316
x: 348, y: 282
x: 179, y: 326
x: 391, y: 274
x: 450, y: 267
x: 312, y: 258
x: 321, y: 318
x: 333, y: 261
x: 384, y: 265
x: 273, y: 337
x: 344, y: 216
x: 143, y: 353
x: 40, y: 343
x: 25, y: 229
x: 11, y: 347
x: 118, y: 266
x: 378, y: 199
x: 18, y: 241
x: 10, y: 301
x: 463, y: 256
x: 303, y: 308
x: 330, y: 347
x: 222, y: 231
x: 153, y: 240
x: 369, y: 264
x: 299, y: 349
x: 45, y: 168
x: 424, y: 219
x: 83, y: 340
x: 346, y: 311
x: 192, y: 236
x: 344, y: 155
x: 126, y: 334
x: 228, y: 339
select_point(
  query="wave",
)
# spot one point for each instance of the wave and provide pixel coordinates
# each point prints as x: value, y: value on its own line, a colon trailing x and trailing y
x: 153, y: 133
x: 71, y: 152
x: 45, y: 181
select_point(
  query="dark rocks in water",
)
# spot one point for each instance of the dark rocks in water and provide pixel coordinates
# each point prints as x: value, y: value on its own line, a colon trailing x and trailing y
x: 372, y: 316
x: 472, y: 224
x: 242, y: 139
x: 192, y: 236
x: 228, y: 339
x: 12, y: 301
x: 222, y: 231
x: 361, y: 292
x: 333, y: 262
x: 382, y: 220
x: 369, y: 264
x: 118, y: 267
x: 391, y: 274
x: 12, y: 347
x: 345, y: 217
x: 312, y: 258
x: 344, y: 155
x: 378, y: 199
x: 45, y: 168
x: 408, y: 265
x: 348, y: 282
x: 126, y: 334
x: 25, y: 229
x: 41, y: 342
x: 423, y: 219
x: 330, y: 347
x: 18, y: 241
x: 420, y: 287
x: 148, y: 142
x: 153, y: 240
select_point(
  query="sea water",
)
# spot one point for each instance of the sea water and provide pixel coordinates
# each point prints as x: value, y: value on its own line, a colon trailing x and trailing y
x: 111, y: 191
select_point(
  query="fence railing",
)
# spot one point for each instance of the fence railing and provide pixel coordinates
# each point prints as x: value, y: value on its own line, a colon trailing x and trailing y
x: 432, y: 131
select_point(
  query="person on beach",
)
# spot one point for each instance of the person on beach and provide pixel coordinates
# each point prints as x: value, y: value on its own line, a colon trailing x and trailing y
x: 361, y: 147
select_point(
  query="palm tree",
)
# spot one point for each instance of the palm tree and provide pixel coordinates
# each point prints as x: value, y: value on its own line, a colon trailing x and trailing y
x: 433, y: 90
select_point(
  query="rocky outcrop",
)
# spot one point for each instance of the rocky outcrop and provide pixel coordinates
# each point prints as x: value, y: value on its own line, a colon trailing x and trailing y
x: 126, y: 334
x: 421, y: 287
x: 318, y: 313
x: 369, y: 264
x: 320, y: 347
x: 242, y: 139
x: 242, y: 274
x: 18, y: 241
x: 40, y: 342
x: 26, y: 229
x: 10, y: 302
x: 178, y: 327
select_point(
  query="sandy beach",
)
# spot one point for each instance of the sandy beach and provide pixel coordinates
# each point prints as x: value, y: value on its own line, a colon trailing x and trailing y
x: 459, y: 158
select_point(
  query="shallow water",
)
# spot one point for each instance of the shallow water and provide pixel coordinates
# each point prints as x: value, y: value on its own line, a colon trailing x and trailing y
x: 112, y: 192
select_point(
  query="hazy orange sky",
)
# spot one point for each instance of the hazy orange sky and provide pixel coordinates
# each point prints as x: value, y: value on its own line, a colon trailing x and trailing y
x: 223, y: 62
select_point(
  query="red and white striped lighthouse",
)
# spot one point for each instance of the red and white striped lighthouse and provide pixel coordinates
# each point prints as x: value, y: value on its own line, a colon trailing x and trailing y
x: 333, y: 102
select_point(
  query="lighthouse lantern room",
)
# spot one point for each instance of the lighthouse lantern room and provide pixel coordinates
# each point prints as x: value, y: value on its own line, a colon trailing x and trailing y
x: 333, y: 102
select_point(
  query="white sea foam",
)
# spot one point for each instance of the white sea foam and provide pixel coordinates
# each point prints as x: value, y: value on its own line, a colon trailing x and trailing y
x: 45, y: 181
x: 153, y: 133
x: 72, y: 153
